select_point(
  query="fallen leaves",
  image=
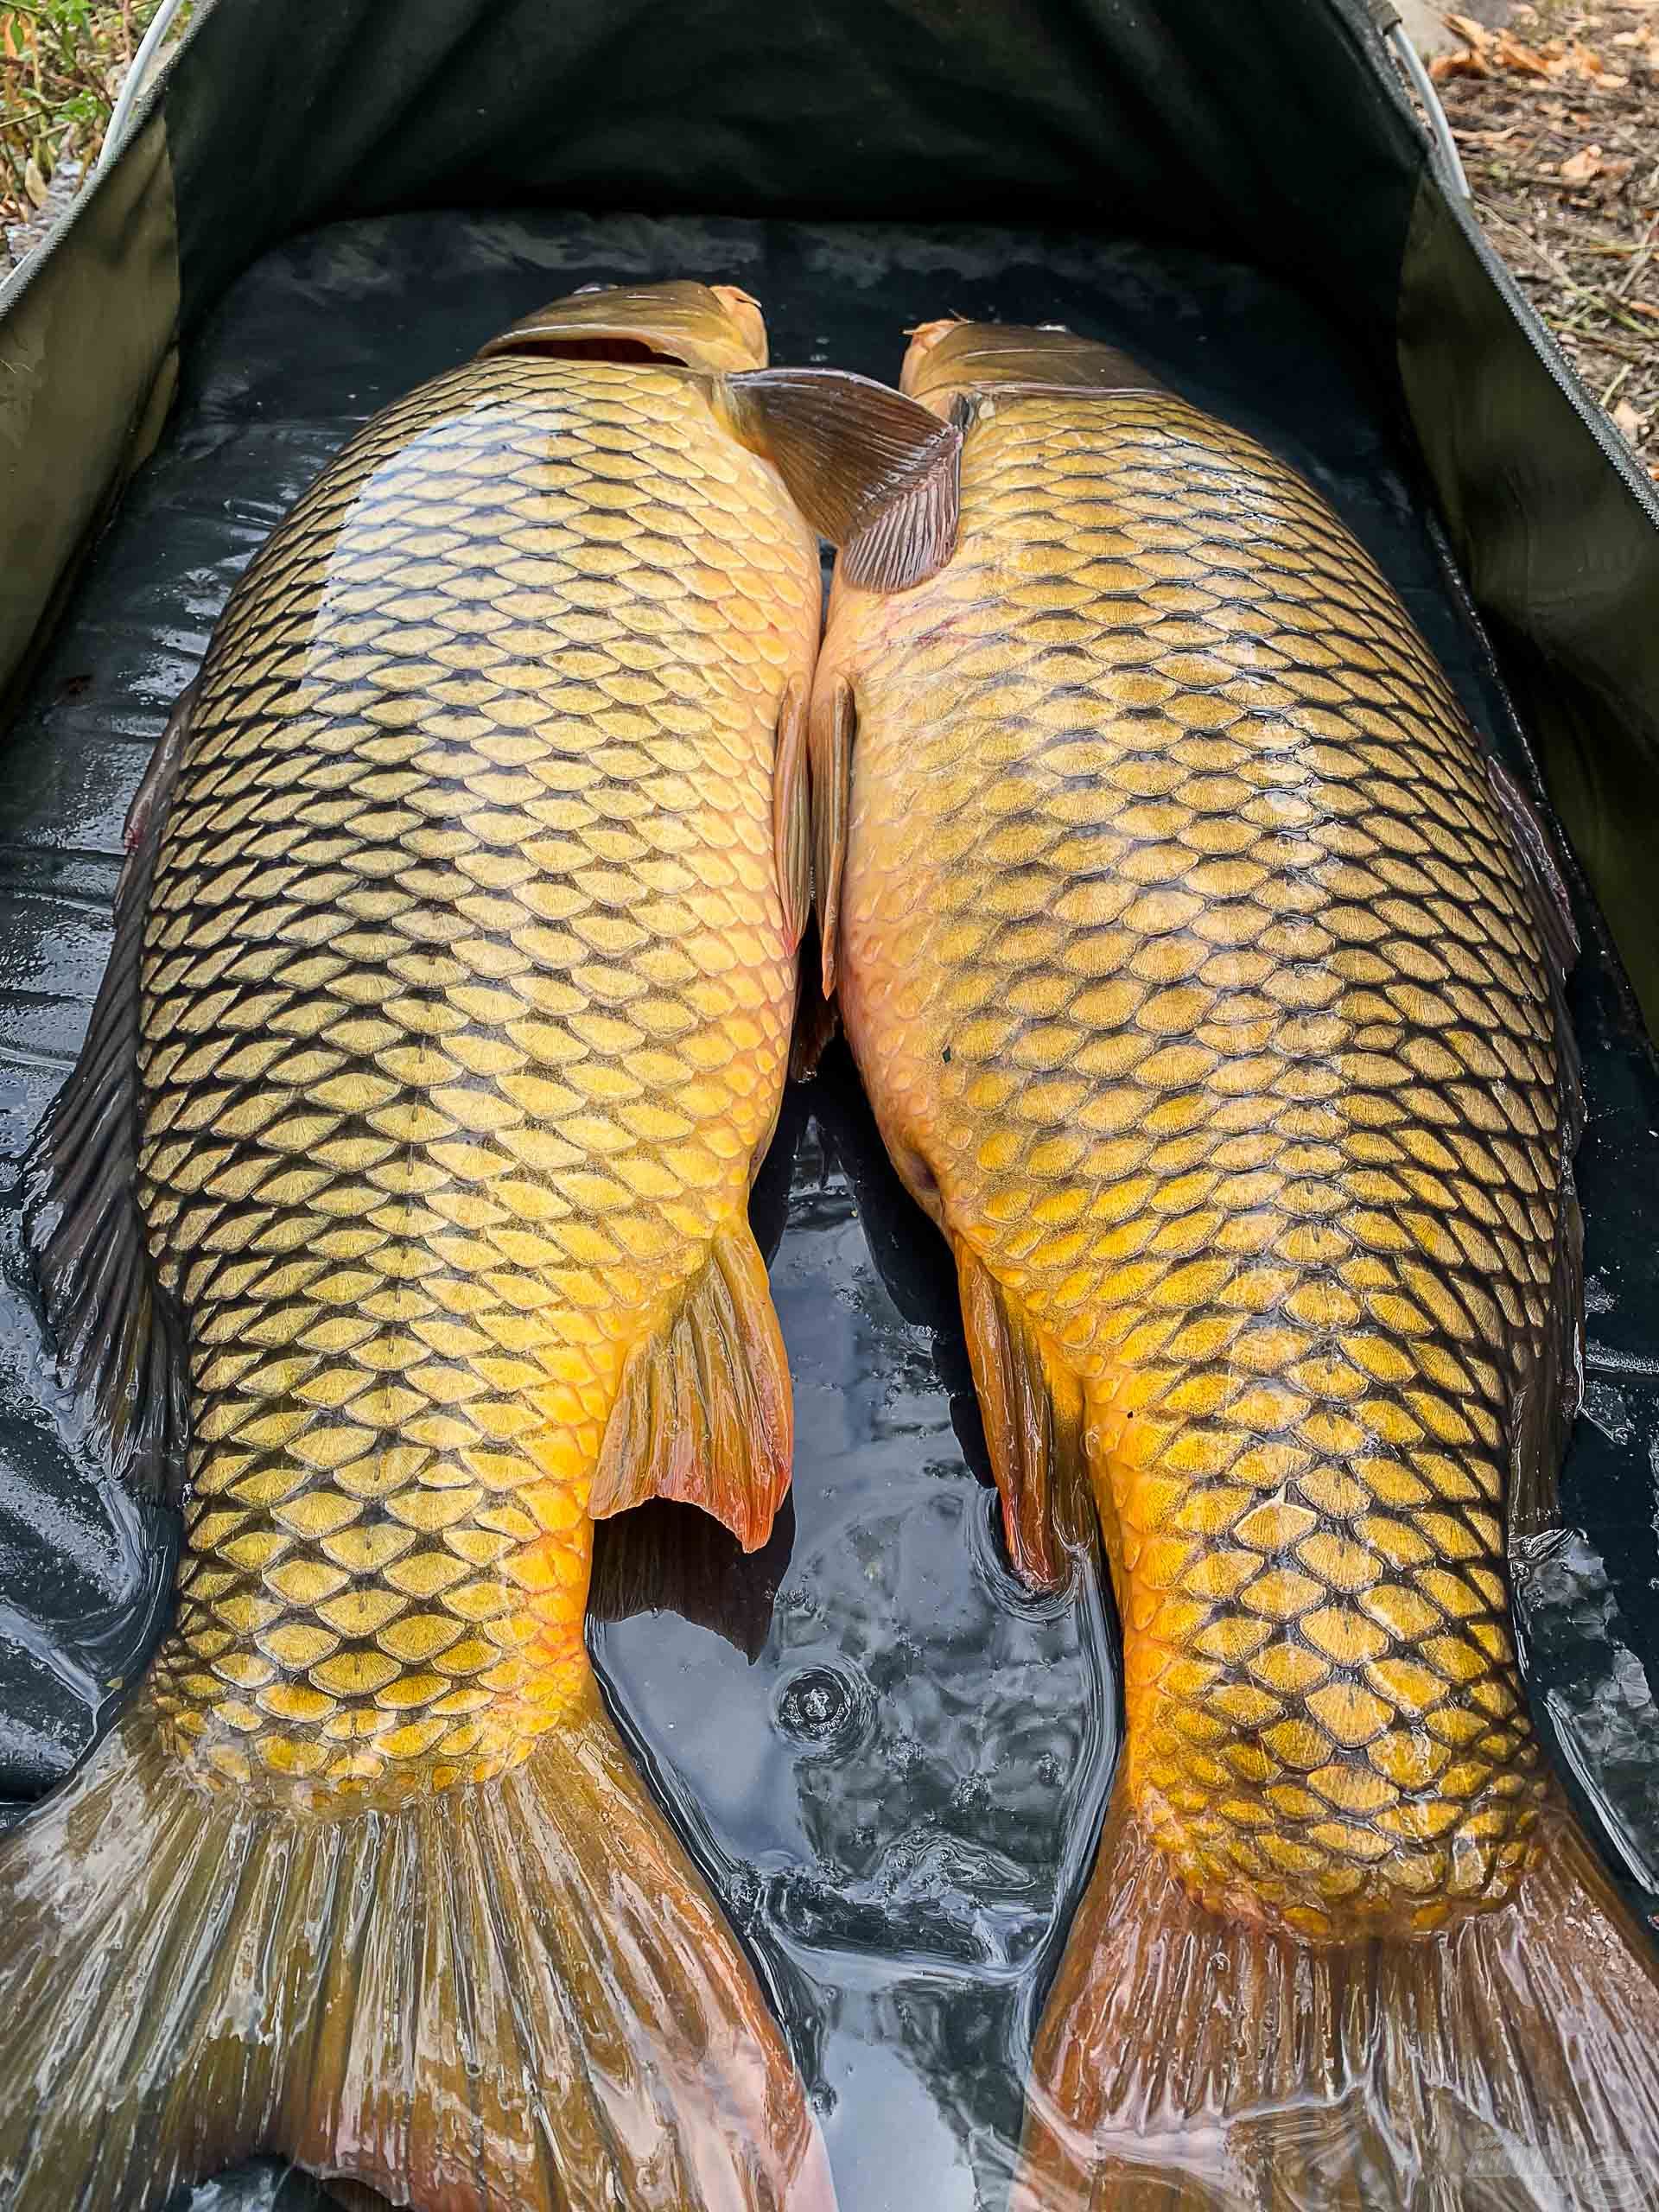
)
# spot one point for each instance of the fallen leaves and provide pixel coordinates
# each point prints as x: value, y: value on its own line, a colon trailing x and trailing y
x: 1557, y: 114
x: 1485, y: 53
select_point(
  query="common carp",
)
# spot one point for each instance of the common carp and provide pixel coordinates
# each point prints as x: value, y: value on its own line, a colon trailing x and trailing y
x: 1204, y: 977
x: 395, y: 1216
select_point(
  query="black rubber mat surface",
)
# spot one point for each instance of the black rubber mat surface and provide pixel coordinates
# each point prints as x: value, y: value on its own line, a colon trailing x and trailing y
x: 889, y: 1761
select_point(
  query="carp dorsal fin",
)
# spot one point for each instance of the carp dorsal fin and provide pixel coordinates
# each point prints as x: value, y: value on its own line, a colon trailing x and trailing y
x: 792, y: 813
x: 1035, y: 1428
x: 1552, y: 1383
x: 872, y: 472
x: 1552, y: 900
x: 703, y: 1414
x: 835, y: 724
x: 119, y: 1340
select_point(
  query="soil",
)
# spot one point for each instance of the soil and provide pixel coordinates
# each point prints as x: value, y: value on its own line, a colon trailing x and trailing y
x: 1555, y: 109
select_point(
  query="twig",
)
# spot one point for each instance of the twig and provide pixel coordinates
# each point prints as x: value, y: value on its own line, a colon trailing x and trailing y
x: 1549, y: 259
x: 1643, y: 253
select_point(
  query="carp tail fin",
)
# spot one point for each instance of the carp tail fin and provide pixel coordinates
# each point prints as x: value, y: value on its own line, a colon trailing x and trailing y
x: 704, y: 1413
x: 513, y: 1991
x: 1189, y: 2061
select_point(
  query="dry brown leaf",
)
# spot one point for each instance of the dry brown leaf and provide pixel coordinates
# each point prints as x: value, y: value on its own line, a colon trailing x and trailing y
x: 1642, y: 306
x: 1472, y: 33
x: 1525, y: 60
x: 1579, y: 167
x: 1628, y: 420
x: 1463, y: 63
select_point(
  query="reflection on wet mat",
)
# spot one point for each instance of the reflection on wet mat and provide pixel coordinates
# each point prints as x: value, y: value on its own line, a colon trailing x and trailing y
x: 888, y: 1761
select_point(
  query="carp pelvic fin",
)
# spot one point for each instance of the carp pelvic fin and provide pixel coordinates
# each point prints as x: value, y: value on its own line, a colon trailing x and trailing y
x: 872, y: 471
x: 834, y: 725
x: 1186, y: 2058
x: 507, y: 1992
x: 704, y: 1413
x: 792, y: 813
x: 119, y: 1342
x: 1035, y: 1428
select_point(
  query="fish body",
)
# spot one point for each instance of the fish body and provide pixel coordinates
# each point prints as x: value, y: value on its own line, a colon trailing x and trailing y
x: 1204, y: 977
x: 466, y: 999
x: 396, y: 1215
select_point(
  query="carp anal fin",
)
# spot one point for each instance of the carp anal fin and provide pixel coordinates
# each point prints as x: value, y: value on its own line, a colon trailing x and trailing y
x: 872, y: 472
x: 120, y: 1341
x: 704, y: 1413
x: 792, y: 813
x: 1035, y: 1429
x: 1553, y: 1384
x: 1185, y: 2055
x: 834, y: 725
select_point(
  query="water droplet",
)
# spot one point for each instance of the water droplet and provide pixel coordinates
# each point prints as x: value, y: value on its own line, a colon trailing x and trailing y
x: 823, y: 1707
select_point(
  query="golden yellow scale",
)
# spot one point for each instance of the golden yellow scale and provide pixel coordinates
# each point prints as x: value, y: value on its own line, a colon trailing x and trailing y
x: 1204, y: 979
x: 468, y: 997
x: 397, y: 1210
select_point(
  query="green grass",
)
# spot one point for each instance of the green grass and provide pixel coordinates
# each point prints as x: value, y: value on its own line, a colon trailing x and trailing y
x: 62, y: 63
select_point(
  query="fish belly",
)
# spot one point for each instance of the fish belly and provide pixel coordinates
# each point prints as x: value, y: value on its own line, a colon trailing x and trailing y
x: 1195, y: 980
x: 466, y: 1005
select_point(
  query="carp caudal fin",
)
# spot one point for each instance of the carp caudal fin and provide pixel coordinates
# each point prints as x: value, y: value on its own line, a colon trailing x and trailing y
x: 704, y: 1413
x: 872, y: 472
x: 1188, y: 2062
x: 507, y: 1994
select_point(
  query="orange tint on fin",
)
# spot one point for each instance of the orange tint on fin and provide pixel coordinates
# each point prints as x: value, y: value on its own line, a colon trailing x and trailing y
x: 871, y: 470
x: 511, y: 1993
x: 1506, y: 2062
x: 792, y: 813
x: 704, y: 1413
x: 1034, y: 1427
x: 834, y: 723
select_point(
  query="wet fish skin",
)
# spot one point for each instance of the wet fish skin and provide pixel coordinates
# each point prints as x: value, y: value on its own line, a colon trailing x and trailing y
x: 1206, y: 982
x: 445, y: 1025
x: 1198, y: 988
x: 466, y: 999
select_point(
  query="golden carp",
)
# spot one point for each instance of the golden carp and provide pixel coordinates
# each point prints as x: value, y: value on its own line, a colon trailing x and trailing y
x: 396, y: 1209
x: 1204, y: 980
